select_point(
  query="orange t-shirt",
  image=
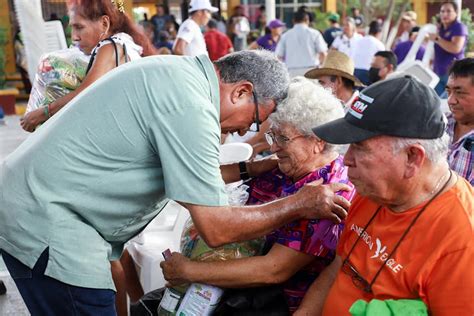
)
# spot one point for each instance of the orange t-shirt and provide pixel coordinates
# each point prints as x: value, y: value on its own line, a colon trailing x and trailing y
x: 434, y: 261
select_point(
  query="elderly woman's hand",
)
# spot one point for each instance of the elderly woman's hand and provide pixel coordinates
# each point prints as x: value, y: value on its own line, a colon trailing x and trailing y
x: 174, y: 269
x: 32, y: 119
x: 321, y: 201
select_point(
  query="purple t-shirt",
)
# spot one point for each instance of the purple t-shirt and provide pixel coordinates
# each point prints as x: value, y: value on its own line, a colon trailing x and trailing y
x: 442, y: 58
x: 402, y: 49
x: 267, y: 42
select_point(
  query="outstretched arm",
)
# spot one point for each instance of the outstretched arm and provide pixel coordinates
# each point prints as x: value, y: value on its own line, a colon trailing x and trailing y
x: 224, y: 224
x: 231, y: 173
x: 274, y: 268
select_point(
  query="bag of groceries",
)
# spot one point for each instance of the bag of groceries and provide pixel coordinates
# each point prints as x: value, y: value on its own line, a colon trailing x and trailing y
x: 193, y: 247
x: 59, y: 73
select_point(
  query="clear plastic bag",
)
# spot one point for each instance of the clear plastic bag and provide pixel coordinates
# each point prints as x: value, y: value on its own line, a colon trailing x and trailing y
x: 193, y: 247
x: 58, y: 74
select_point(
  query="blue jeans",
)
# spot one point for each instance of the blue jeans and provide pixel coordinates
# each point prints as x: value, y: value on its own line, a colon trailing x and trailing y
x: 44, y: 295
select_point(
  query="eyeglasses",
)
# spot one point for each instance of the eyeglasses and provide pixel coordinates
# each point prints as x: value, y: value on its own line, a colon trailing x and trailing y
x: 357, y: 279
x: 349, y: 269
x: 280, y: 140
x: 257, y: 118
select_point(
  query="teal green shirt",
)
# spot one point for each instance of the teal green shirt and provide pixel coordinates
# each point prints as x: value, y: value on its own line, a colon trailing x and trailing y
x: 96, y: 173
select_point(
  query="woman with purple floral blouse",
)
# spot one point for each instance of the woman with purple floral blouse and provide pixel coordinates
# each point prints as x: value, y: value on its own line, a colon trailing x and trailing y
x: 298, y: 251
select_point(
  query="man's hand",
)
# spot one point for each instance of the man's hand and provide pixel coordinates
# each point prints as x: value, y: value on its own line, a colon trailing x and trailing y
x: 174, y: 269
x: 321, y: 201
x: 31, y: 120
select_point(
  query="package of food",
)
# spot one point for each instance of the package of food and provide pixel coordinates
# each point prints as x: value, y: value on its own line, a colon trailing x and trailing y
x: 58, y: 74
x: 193, y: 247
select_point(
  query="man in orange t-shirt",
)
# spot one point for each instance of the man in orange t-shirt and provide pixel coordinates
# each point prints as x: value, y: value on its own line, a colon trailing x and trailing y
x: 409, y: 233
x: 217, y: 43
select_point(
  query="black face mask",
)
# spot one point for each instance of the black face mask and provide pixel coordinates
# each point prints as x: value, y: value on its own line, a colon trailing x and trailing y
x: 374, y: 75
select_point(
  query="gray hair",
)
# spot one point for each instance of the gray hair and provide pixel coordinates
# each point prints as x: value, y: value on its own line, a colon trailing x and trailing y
x: 308, y: 105
x: 262, y: 68
x: 350, y: 20
x: 436, y: 149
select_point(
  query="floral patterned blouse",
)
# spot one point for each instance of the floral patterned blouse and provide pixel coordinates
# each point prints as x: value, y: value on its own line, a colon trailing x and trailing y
x: 314, y: 237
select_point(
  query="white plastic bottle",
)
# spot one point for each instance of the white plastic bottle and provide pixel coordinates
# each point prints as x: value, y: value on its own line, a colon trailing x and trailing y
x: 200, y: 300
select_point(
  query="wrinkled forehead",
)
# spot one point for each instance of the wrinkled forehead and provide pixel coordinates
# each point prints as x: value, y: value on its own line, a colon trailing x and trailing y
x: 458, y: 82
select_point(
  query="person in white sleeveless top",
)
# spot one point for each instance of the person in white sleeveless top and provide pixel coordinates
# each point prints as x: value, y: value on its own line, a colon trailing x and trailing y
x: 95, y: 24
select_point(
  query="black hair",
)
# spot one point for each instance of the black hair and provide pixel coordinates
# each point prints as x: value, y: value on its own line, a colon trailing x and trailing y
x: 414, y: 29
x: 375, y: 27
x: 212, y: 24
x: 389, y: 56
x: 463, y: 68
x: 300, y: 16
x: 347, y: 83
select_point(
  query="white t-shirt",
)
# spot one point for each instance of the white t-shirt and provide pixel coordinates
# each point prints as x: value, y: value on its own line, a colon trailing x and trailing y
x: 191, y: 33
x: 299, y: 48
x: 344, y: 44
x: 364, y: 50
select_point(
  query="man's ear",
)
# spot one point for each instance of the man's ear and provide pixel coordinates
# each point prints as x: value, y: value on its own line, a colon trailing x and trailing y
x: 241, y: 92
x: 416, y: 156
x: 338, y: 83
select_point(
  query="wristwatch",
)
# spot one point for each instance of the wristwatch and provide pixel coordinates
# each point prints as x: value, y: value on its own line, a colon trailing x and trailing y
x: 244, y: 174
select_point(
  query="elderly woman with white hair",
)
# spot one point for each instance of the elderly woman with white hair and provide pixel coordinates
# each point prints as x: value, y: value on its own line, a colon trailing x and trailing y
x: 298, y: 251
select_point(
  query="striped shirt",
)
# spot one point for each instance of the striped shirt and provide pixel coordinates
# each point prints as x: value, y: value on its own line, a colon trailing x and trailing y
x: 461, y: 153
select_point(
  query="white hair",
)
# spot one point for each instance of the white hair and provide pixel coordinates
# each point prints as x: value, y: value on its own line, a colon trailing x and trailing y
x: 436, y: 150
x: 307, y: 105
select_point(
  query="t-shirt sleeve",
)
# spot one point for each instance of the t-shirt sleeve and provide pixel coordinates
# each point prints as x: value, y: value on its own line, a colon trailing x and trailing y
x: 317, y: 238
x: 450, y: 288
x: 187, y: 143
x: 186, y: 33
x: 280, y: 48
x: 381, y: 46
x: 459, y: 29
x: 336, y: 43
x: 319, y: 43
x: 261, y: 41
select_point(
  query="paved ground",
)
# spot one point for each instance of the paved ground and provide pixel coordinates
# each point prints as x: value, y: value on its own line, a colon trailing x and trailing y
x: 11, y: 135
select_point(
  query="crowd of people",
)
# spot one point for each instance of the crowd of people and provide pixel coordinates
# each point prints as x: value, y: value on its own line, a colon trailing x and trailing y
x: 367, y: 197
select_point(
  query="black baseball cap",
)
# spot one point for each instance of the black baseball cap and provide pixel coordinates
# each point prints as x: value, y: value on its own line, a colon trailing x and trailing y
x: 401, y: 106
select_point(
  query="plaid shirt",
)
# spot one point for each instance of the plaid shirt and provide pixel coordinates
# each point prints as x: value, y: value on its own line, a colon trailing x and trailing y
x: 461, y: 158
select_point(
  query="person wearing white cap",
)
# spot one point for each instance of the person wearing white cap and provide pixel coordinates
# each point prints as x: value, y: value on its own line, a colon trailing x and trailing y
x: 190, y: 40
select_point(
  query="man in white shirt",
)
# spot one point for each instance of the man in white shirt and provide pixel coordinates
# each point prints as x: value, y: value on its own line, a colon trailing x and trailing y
x: 346, y: 41
x: 302, y: 47
x: 364, y: 51
x: 190, y: 40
